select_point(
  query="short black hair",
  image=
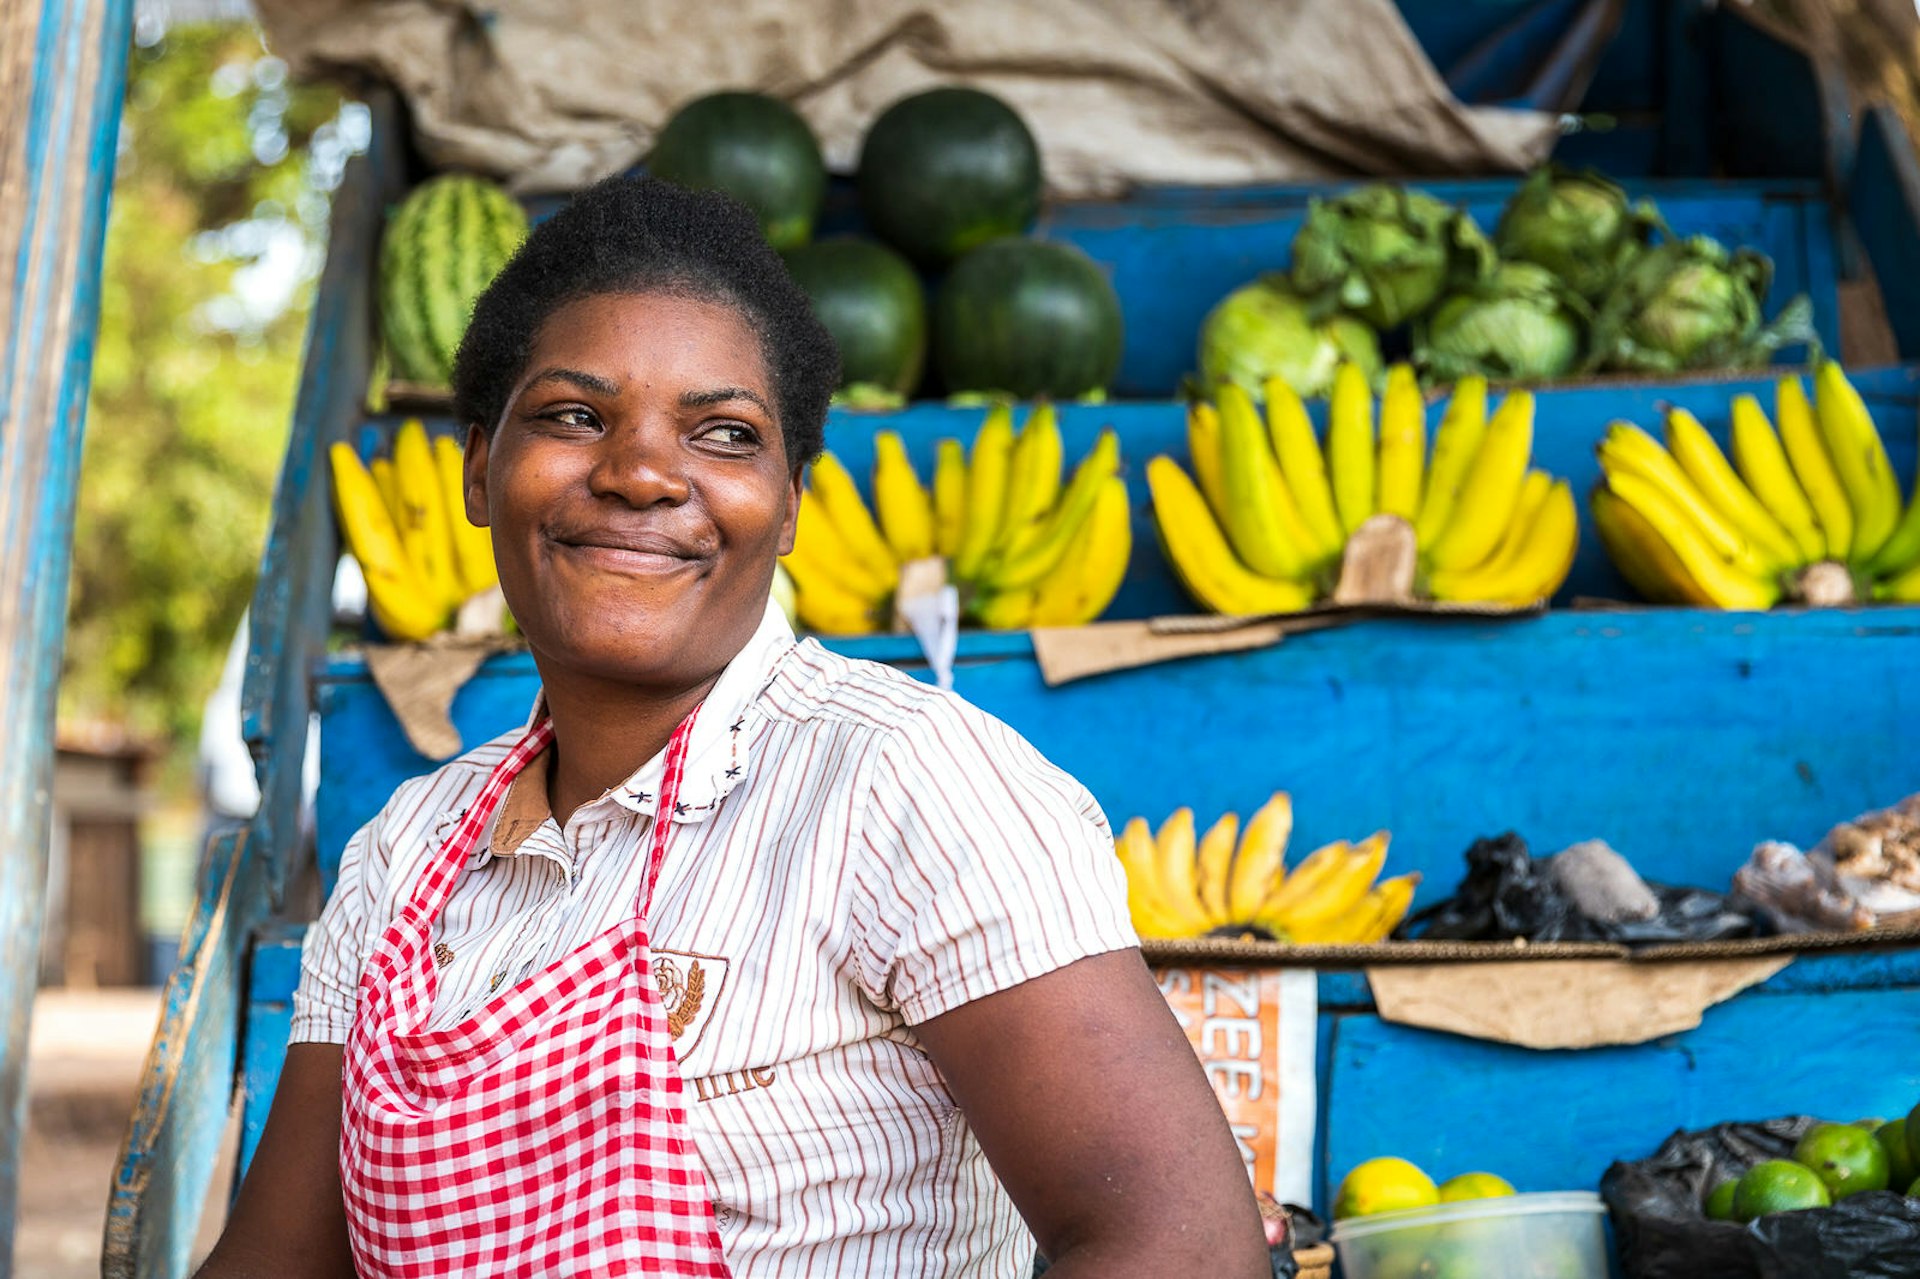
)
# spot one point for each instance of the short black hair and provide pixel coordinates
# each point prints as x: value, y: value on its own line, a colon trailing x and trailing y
x: 641, y: 235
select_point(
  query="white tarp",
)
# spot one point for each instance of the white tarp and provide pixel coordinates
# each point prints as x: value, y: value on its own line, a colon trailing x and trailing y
x: 551, y: 94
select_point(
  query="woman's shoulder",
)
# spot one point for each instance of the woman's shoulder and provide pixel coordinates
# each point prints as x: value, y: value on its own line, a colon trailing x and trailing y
x: 437, y: 798
x: 814, y: 683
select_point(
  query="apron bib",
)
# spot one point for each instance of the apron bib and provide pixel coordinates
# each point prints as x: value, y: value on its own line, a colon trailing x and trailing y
x: 544, y: 1135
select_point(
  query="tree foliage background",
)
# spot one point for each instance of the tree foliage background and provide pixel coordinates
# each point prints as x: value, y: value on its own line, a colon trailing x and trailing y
x: 214, y: 240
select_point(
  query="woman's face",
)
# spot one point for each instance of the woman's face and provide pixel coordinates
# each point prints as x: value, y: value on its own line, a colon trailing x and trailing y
x: 638, y: 489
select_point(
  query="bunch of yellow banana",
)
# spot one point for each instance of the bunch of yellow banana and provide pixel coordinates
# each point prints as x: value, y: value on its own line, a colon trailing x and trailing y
x: 1264, y: 528
x: 1027, y: 545
x: 1809, y: 513
x: 1227, y: 881
x: 405, y: 520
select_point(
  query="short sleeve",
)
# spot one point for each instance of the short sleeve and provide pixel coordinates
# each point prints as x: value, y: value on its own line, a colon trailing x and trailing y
x: 981, y: 866
x: 337, y: 944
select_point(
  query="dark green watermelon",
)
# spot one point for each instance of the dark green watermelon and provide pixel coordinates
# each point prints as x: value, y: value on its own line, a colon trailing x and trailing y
x: 872, y: 303
x: 755, y: 148
x: 1028, y: 318
x: 947, y: 170
x: 442, y: 247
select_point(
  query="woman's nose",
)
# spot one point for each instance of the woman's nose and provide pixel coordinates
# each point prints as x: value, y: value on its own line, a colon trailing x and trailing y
x: 641, y: 463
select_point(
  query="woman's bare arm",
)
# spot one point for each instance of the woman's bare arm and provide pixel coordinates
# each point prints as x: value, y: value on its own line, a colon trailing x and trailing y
x: 289, y: 1221
x: 1090, y: 1104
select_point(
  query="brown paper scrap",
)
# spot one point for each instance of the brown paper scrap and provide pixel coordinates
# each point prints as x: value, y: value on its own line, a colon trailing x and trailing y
x: 420, y: 682
x: 1572, y: 1003
x: 1378, y: 564
x: 1068, y: 653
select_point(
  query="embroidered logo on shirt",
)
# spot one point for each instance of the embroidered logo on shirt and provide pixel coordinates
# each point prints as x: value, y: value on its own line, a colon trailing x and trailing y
x: 689, y: 988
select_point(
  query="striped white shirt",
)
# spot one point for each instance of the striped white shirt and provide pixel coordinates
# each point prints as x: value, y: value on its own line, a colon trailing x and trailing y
x: 856, y: 852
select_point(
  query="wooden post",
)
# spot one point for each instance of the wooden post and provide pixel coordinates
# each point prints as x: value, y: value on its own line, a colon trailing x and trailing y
x: 63, y: 66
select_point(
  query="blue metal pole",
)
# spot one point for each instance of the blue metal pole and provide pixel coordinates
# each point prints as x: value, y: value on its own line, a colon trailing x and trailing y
x: 63, y: 66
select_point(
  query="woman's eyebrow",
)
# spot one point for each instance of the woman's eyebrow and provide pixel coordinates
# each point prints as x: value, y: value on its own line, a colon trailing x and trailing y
x: 720, y: 395
x: 585, y: 381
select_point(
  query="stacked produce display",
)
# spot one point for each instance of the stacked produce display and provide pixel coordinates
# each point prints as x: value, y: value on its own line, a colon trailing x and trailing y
x: 1234, y: 883
x: 1262, y: 523
x: 1027, y: 544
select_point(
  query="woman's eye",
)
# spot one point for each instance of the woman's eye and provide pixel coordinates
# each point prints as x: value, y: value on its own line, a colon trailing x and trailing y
x: 572, y: 415
x: 732, y: 436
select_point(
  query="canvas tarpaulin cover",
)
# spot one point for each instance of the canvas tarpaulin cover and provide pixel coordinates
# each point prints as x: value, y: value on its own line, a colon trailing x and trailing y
x: 551, y: 94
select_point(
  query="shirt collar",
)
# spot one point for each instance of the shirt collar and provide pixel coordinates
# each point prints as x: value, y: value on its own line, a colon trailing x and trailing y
x: 716, y: 751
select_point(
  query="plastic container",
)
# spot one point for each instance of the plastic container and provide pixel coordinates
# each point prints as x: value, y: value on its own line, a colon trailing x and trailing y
x: 1543, y: 1236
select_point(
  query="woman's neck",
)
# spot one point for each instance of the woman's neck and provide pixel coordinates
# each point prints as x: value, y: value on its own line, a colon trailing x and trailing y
x: 603, y: 732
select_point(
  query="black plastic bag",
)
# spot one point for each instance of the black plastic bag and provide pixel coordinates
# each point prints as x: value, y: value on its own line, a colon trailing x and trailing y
x: 1663, y: 1233
x: 1507, y: 893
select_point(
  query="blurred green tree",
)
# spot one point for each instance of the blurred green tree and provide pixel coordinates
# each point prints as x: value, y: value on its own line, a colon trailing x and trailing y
x: 214, y: 241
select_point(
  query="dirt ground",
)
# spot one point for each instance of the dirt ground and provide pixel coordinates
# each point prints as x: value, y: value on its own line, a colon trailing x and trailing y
x: 86, y: 1052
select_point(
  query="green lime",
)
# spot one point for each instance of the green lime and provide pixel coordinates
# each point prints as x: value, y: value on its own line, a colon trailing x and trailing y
x: 1913, y: 1191
x: 1777, y: 1185
x: 1719, y: 1204
x: 1871, y: 1125
x: 1384, y: 1185
x: 1847, y: 1159
x: 1901, y: 1169
x: 1913, y: 1135
x: 1474, y: 1185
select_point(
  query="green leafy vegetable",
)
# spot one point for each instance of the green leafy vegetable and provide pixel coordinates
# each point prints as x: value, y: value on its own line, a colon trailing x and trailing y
x: 1577, y: 225
x: 1691, y: 304
x: 1385, y: 253
x: 1520, y: 324
x: 1263, y: 330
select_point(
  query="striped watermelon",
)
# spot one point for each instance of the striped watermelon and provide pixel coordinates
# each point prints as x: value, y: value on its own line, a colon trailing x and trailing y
x: 443, y: 246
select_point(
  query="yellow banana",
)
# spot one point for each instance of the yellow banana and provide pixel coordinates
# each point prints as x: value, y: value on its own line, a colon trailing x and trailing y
x: 1902, y: 550
x: 383, y: 479
x: 1727, y: 586
x: 1491, y: 489
x: 1860, y: 459
x: 1627, y: 448
x: 1350, y: 460
x: 818, y: 545
x: 1456, y: 442
x: 1136, y: 850
x: 472, y: 545
x: 1762, y: 463
x: 1536, y: 562
x: 1305, y: 879
x: 1175, y: 870
x: 424, y: 528
x: 1203, y: 446
x: 1262, y: 859
x: 1534, y: 488
x: 1260, y: 518
x: 1199, y: 553
x: 1374, y: 919
x: 1303, y: 466
x: 827, y: 610
x: 402, y: 605
x: 1214, y: 863
x: 986, y: 491
x: 1813, y: 467
x: 1714, y: 476
x: 1403, y: 443
x: 1010, y: 610
x: 840, y: 501
x: 1088, y: 578
x: 1902, y: 588
x: 1039, y: 552
x: 1339, y: 892
x: 949, y: 497
x: 1641, y: 554
x: 905, y: 509
x: 1033, y: 474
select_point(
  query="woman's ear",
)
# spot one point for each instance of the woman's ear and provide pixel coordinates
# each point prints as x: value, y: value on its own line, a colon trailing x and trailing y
x: 478, y: 447
x: 787, y: 526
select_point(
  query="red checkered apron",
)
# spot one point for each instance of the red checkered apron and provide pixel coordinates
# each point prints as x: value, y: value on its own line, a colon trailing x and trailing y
x: 544, y: 1135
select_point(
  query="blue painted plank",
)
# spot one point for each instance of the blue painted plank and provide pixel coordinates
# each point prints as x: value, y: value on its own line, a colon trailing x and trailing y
x: 1554, y: 1120
x: 1884, y: 200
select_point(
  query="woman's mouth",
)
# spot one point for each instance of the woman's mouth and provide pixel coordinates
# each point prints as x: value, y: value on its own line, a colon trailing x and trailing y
x: 637, y: 554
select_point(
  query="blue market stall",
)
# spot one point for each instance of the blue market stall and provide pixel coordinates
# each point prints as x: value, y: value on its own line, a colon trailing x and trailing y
x: 1683, y: 736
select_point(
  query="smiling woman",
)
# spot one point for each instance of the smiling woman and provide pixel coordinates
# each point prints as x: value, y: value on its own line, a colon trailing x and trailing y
x: 740, y: 957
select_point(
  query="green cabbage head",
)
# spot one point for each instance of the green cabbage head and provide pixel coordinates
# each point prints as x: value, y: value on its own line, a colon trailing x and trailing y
x: 1264, y: 330
x: 1579, y: 226
x: 1691, y: 304
x: 1385, y: 253
x: 1520, y: 324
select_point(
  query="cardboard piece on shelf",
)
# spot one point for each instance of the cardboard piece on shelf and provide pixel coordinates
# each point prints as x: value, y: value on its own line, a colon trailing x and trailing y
x: 1067, y: 653
x: 420, y: 681
x: 1569, y: 1003
x: 1378, y: 564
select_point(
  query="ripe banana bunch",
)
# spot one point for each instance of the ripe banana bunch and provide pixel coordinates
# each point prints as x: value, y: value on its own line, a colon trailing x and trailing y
x: 1180, y: 884
x: 405, y: 520
x: 1809, y: 513
x: 1262, y: 523
x: 1027, y: 545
